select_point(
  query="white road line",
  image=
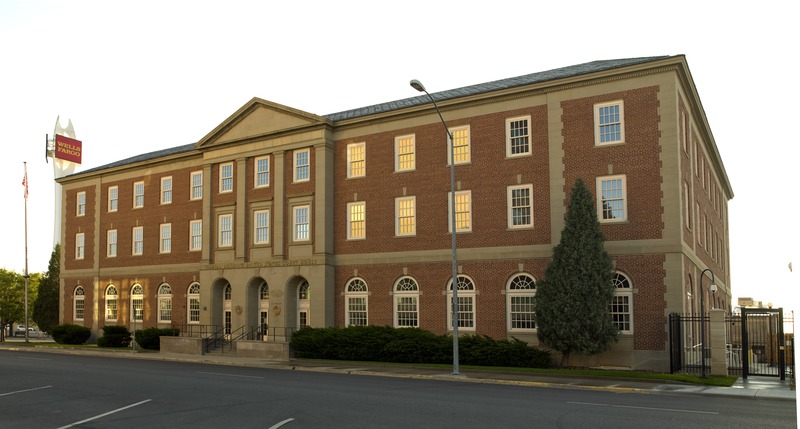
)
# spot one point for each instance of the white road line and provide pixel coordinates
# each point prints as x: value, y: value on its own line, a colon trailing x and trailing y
x: 26, y: 390
x: 643, y: 408
x: 227, y: 375
x: 105, y: 414
x: 279, y: 424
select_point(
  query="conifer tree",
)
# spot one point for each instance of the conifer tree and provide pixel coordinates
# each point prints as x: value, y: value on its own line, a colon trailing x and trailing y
x: 45, y: 308
x: 572, y: 301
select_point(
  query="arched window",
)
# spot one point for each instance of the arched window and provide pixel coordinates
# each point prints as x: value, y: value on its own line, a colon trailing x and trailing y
x: 193, y: 302
x: 303, y: 304
x: 519, y: 303
x: 621, y: 308
x: 137, y: 302
x: 164, y: 303
x: 227, y: 317
x: 226, y: 293
x: 111, y: 303
x: 78, y: 303
x: 466, y: 304
x: 355, y: 301
x: 263, y: 308
x: 406, y: 303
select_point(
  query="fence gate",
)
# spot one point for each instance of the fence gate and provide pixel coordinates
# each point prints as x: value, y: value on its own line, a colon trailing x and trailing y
x: 763, y: 342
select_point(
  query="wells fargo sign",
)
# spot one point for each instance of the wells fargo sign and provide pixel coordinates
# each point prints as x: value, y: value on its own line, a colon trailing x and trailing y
x: 68, y: 149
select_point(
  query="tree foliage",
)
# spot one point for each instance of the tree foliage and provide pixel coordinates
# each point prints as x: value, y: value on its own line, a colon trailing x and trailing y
x: 12, y: 296
x: 45, y: 308
x: 572, y: 301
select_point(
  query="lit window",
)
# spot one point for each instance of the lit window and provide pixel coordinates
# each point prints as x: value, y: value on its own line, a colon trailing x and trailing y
x: 356, y: 220
x: 164, y: 303
x: 197, y: 185
x: 608, y: 122
x: 113, y: 198
x: 404, y: 157
x: 466, y: 304
x: 520, y: 206
x: 166, y: 238
x: 195, y: 235
x: 226, y: 230
x: 518, y: 136
x: 138, y: 195
x: 226, y: 177
x: 80, y: 245
x: 461, y: 145
x: 611, y: 199
x: 356, y: 160
x: 81, y: 204
x: 262, y: 171
x: 406, y: 303
x: 302, y: 165
x: 463, y: 211
x: 302, y: 223
x: 166, y: 190
x: 193, y: 302
x: 111, y: 303
x: 355, y: 297
x: 405, y: 216
x: 111, y: 249
x: 79, y: 303
x: 137, y: 246
x: 521, y: 290
x: 137, y: 302
x: 621, y: 307
x: 261, y: 232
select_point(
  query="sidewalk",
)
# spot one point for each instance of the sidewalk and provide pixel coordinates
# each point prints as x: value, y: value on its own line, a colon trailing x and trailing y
x: 761, y: 388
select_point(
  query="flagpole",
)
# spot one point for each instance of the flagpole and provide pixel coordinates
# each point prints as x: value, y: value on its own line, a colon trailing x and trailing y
x: 25, y: 182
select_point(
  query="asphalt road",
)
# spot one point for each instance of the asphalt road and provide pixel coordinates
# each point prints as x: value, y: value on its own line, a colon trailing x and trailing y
x: 60, y: 391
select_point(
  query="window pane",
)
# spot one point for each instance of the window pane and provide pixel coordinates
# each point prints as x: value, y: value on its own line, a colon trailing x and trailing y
x: 518, y: 134
x: 262, y: 172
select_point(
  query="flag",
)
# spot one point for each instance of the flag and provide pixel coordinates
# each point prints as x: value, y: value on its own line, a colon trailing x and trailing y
x: 25, y: 182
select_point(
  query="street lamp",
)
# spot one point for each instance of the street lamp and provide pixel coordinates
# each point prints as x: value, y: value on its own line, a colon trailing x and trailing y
x: 713, y: 288
x: 421, y: 88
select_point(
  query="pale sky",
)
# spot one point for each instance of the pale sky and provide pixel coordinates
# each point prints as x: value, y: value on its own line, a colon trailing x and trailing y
x: 135, y: 77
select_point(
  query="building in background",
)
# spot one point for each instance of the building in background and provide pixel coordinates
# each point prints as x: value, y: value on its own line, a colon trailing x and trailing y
x: 279, y: 218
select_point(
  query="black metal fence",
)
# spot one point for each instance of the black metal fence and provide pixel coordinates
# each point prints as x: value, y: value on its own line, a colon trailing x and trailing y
x: 689, y: 354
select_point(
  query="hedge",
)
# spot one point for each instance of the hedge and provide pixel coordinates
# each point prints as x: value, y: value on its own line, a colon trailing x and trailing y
x: 70, y: 334
x: 114, y: 336
x: 150, y: 338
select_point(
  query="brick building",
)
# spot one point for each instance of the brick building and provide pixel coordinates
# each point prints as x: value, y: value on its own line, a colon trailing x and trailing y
x: 280, y: 218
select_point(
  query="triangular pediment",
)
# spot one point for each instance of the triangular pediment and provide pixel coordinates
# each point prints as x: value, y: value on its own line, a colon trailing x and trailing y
x: 257, y: 119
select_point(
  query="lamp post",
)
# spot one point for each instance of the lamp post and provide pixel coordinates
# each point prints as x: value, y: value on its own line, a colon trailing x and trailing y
x: 421, y: 88
x: 703, y: 321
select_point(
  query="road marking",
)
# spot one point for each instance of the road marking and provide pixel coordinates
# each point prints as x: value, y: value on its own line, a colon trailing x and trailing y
x: 31, y: 358
x: 279, y: 424
x: 674, y: 410
x: 26, y: 390
x: 228, y: 375
x: 105, y: 414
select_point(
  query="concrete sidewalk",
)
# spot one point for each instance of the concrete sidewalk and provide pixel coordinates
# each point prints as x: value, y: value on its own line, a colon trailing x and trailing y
x: 771, y: 388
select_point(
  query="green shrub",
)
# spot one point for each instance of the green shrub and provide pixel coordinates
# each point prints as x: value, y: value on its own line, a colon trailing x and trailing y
x: 114, y: 336
x: 70, y: 334
x: 150, y: 338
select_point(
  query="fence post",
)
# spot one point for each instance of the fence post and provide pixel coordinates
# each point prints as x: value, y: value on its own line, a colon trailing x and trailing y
x: 719, y: 361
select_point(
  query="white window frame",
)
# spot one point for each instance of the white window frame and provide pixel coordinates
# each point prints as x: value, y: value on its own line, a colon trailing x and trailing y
x: 466, y: 296
x: 111, y: 243
x: 165, y: 238
x: 111, y: 304
x: 137, y: 240
x: 113, y: 199
x: 80, y: 246
x: 138, y: 195
x: 511, y: 208
x: 398, y: 216
x: 301, y: 172
x: 623, y: 288
x: 405, y: 159
x: 356, y: 293
x: 261, y: 219
x: 602, y: 197
x: 356, y: 160
x: 301, y: 228
x: 511, y: 137
x: 196, y: 185
x: 463, y: 211
x: 225, y: 226
x: 226, y: 177
x: 166, y: 190
x: 600, y: 116
x: 164, y: 303
x: 261, y: 172
x: 79, y: 297
x: 406, y: 303
x: 462, y: 144
x: 80, y: 206
x: 137, y: 302
x: 195, y: 235
x: 357, y: 220
x: 520, y: 286
x: 193, y: 303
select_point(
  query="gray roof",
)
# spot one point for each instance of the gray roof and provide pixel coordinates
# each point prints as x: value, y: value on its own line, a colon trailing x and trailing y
x: 560, y: 73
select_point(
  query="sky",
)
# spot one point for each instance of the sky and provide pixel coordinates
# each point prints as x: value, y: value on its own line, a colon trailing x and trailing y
x: 135, y: 77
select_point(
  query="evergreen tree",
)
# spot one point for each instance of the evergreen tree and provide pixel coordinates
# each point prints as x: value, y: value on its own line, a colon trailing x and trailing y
x: 45, y: 308
x: 572, y: 301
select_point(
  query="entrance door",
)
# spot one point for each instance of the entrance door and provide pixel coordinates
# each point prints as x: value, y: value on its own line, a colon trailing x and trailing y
x: 263, y: 310
x: 226, y: 309
x: 303, y: 305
